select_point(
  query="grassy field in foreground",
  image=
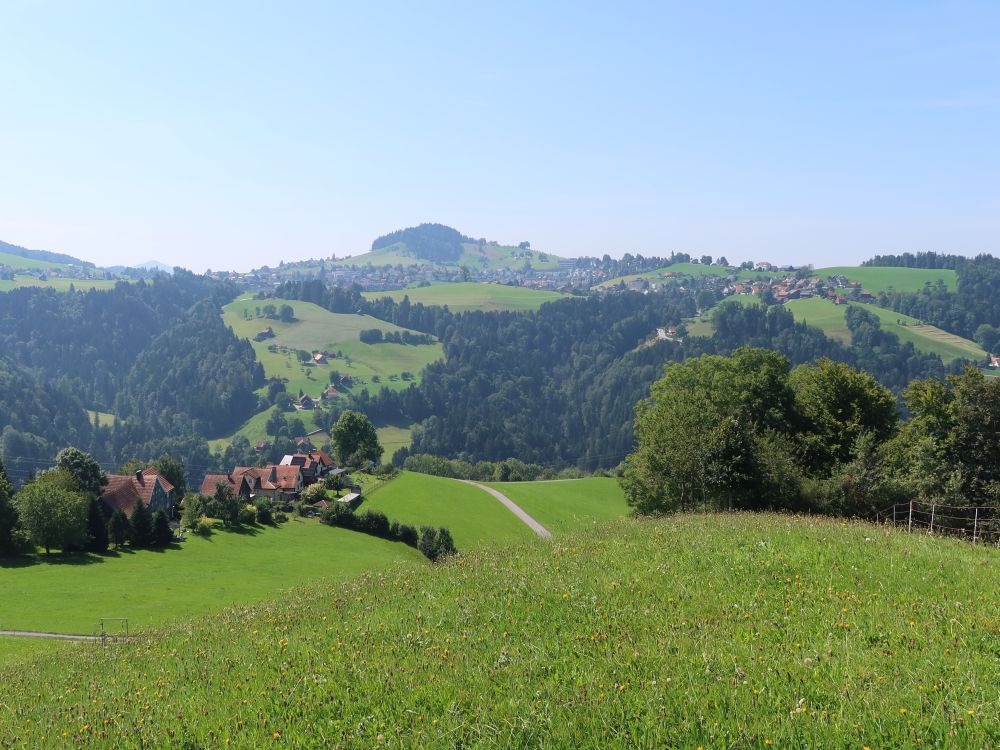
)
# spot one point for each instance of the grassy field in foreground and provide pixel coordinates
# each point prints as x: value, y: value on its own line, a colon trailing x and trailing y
x: 721, y: 631
x: 877, y: 279
x: 568, y: 504
x: 473, y: 296
x: 17, y: 649
x: 473, y: 516
x: 201, y: 575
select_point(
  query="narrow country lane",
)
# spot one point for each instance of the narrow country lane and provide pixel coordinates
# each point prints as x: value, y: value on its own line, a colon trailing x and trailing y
x: 514, y: 508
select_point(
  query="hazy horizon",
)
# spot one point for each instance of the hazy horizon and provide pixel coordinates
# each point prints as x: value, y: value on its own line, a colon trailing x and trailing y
x: 244, y: 134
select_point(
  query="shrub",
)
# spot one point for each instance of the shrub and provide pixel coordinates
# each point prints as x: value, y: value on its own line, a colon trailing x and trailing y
x: 280, y: 517
x: 428, y: 542
x: 373, y: 522
x: 247, y: 516
x: 194, y: 508
x: 203, y: 526
x: 265, y: 511
x: 338, y: 514
x: 408, y: 535
x: 142, y: 525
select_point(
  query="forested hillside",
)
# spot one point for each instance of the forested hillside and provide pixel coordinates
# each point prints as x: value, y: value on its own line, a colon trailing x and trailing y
x: 434, y: 242
x: 87, y: 342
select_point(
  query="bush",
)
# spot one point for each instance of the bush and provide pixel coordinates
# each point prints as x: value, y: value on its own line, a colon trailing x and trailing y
x: 194, y: 509
x: 265, y: 511
x: 373, y: 522
x: 162, y: 535
x: 203, y: 526
x: 247, y: 516
x: 408, y: 535
x: 280, y: 517
x: 338, y: 514
x: 435, y: 544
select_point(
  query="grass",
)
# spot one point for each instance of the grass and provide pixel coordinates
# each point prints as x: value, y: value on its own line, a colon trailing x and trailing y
x: 878, y: 279
x: 392, y: 438
x: 473, y: 296
x: 204, y: 575
x: 832, y: 319
x: 659, y: 274
x: 568, y: 504
x: 319, y: 329
x: 718, y: 631
x: 16, y: 261
x: 57, y: 283
x: 474, y: 256
x: 473, y: 516
x: 14, y: 649
x: 104, y: 419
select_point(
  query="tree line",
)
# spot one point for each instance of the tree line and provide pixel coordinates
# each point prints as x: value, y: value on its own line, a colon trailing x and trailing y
x: 749, y: 431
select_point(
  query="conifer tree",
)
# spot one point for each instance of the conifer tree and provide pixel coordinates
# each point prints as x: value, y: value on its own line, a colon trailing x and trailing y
x: 119, y: 528
x: 97, y: 527
x: 162, y: 535
x: 142, y: 526
x: 8, y: 514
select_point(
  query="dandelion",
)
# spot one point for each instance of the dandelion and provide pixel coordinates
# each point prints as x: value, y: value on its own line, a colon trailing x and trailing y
x: 903, y: 711
x: 970, y: 712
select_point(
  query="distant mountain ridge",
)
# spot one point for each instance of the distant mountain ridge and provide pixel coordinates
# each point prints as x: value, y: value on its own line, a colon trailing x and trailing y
x: 45, y: 255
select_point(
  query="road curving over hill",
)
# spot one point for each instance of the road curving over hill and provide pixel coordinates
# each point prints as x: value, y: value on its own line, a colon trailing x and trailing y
x: 514, y: 508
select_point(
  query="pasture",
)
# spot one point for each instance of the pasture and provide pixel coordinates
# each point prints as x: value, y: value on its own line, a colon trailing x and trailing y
x: 877, y: 279
x: 832, y: 320
x: 319, y: 329
x: 463, y: 296
x: 199, y: 575
x: 473, y: 256
x: 58, y: 283
x: 713, y: 631
x: 566, y: 504
x: 473, y: 516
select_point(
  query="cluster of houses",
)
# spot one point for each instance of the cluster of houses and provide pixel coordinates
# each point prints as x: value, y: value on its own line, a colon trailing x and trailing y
x: 282, y: 482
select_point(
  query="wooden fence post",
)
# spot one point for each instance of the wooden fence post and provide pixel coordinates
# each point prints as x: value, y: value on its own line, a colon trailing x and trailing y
x: 975, y: 525
x: 933, y: 506
x: 909, y: 523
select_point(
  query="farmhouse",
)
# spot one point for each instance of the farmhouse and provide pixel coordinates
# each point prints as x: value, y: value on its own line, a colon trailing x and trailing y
x: 280, y: 483
x: 994, y: 360
x: 319, y: 358
x: 148, y: 487
x: 313, y: 465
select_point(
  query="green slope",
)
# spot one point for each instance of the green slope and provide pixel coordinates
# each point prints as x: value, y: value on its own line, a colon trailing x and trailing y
x: 721, y: 631
x: 566, y: 504
x: 474, y: 256
x: 473, y: 516
x: 881, y: 279
x: 203, y: 575
x: 832, y: 319
x: 473, y: 296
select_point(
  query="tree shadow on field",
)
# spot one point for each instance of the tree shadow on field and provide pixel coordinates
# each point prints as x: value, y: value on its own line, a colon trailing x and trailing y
x: 77, y: 558
x: 242, y: 530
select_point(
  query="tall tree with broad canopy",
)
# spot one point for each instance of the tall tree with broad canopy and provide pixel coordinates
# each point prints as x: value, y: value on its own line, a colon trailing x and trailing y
x: 85, y: 470
x: 355, y: 440
x: 53, y: 512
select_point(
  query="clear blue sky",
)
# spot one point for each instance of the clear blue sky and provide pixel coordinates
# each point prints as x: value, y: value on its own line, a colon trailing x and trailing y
x: 242, y: 134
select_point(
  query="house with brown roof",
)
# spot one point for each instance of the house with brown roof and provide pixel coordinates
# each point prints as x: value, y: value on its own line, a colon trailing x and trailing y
x: 149, y: 487
x: 313, y: 465
x: 280, y: 483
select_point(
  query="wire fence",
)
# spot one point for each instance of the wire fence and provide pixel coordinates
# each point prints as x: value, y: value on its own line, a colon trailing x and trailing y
x: 977, y: 524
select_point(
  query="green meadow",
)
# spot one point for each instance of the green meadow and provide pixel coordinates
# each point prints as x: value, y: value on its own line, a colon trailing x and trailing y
x: 474, y: 256
x: 566, y: 504
x: 832, y: 319
x: 197, y: 576
x: 319, y: 329
x: 712, y: 631
x: 877, y: 279
x: 463, y: 296
x: 473, y: 516
x: 16, y: 261
x: 57, y: 283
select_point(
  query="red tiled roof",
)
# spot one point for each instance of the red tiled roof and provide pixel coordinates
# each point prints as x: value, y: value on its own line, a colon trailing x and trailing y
x: 123, y: 491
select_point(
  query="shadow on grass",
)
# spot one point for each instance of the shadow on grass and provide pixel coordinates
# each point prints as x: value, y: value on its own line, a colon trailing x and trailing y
x: 242, y: 530
x: 77, y: 558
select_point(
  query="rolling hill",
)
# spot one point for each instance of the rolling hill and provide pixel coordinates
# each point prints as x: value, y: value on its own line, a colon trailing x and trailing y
x: 881, y: 279
x: 474, y: 255
x: 21, y: 257
x: 724, y: 630
x: 473, y: 296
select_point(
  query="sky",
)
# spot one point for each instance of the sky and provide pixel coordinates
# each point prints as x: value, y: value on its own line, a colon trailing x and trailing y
x: 235, y: 135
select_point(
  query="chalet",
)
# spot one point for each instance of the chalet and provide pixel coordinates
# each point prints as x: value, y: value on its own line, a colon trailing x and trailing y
x: 330, y: 392
x: 261, y: 445
x: 148, y: 487
x: 671, y: 330
x: 319, y: 358
x: 306, y: 402
x: 313, y: 465
x: 280, y: 483
x: 994, y: 360
x: 267, y: 333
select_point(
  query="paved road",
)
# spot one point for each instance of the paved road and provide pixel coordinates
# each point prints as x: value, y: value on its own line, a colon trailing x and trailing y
x: 59, y: 636
x: 514, y: 508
